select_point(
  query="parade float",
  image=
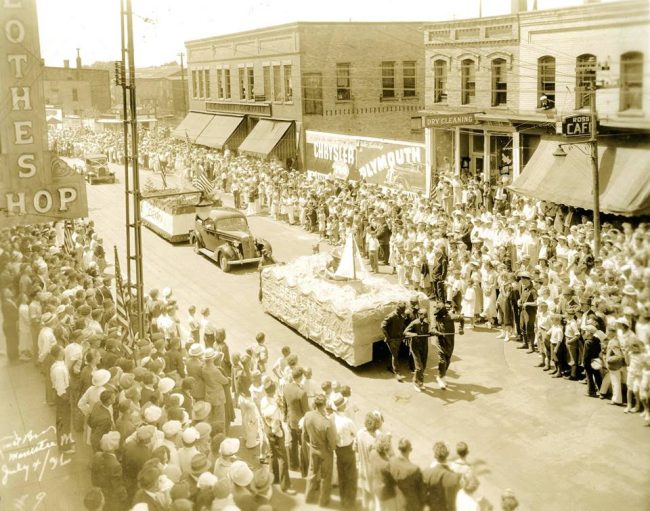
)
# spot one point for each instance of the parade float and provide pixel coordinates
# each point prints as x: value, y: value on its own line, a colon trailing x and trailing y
x: 333, y: 301
x: 170, y: 212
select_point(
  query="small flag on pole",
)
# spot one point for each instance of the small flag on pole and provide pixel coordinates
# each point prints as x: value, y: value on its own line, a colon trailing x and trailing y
x: 121, y: 307
x: 68, y: 242
x: 202, y: 182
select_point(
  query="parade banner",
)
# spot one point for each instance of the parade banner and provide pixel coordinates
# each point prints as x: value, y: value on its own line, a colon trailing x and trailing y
x: 390, y: 163
x: 35, y: 186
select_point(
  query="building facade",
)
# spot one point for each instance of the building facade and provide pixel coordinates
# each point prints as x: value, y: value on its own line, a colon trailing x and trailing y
x: 77, y: 91
x: 363, y: 79
x: 517, y: 77
x: 162, y: 91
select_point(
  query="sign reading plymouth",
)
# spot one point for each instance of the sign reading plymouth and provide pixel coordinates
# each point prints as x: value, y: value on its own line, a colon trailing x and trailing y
x: 384, y: 162
x: 34, y: 186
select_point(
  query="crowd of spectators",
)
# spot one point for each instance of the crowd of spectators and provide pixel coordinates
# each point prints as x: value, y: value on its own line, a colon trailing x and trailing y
x: 178, y: 421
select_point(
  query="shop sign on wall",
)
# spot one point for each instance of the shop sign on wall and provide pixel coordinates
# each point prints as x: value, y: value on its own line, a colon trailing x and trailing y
x: 35, y: 186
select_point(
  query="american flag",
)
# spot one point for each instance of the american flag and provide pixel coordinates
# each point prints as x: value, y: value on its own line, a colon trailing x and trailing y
x: 121, y: 307
x: 68, y: 242
x: 203, y: 183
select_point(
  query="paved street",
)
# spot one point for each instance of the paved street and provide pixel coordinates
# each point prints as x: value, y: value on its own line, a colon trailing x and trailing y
x: 523, y: 428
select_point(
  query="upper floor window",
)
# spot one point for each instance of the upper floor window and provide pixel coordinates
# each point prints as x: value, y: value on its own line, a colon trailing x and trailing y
x: 201, y: 83
x: 439, y: 81
x: 250, y: 87
x: 343, y: 92
x: 288, y: 83
x: 499, y: 82
x: 195, y: 84
x: 242, y: 83
x: 585, y: 80
x: 546, y: 82
x: 219, y: 77
x: 267, y: 82
x: 277, y: 84
x: 632, y: 81
x: 468, y: 81
x: 408, y: 78
x: 388, y: 79
x: 226, y: 84
x: 75, y: 95
x: 206, y: 79
x: 313, y: 93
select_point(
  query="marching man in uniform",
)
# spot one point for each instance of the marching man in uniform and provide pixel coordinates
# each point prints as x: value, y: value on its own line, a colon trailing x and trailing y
x: 393, y: 328
x: 417, y: 335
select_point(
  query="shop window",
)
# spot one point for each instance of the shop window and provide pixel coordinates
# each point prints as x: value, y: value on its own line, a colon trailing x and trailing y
x: 388, y: 80
x: 343, y: 92
x: 585, y: 80
x: 632, y: 81
x: 468, y: 81
x: 277, y: 84
x: 499, y: 82
x: 288, y: 83
x: 227, y: 93
x: 546, y: 82
x: 313, y: 93
x: 250, y: 83
x: 439, y: 81
x: 267, y: 82
x: 408, y: 78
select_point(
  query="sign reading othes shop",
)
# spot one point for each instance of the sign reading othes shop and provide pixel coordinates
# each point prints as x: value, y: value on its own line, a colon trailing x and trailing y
x: 35, y: 186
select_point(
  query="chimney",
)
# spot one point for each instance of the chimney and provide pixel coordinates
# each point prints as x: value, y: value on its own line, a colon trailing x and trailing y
x: 517, y: 6
x: 78, y: 59
x: 66, y: 64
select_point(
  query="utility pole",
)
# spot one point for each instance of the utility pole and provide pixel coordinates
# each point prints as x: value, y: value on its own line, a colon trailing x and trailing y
x: 132, y: 183
x: 593, y: 147
x: 181, y: 55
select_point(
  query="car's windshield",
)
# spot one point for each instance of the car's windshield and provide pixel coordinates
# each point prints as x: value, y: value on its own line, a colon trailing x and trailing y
x: 96, y: 161
x: 236, y: 223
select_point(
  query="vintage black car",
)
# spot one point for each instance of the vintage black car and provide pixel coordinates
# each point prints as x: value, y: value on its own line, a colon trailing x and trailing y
x: 224, y: 236
x: 96, y: 169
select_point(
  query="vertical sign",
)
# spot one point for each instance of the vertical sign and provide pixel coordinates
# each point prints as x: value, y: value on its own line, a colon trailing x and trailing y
x: 35, y: 186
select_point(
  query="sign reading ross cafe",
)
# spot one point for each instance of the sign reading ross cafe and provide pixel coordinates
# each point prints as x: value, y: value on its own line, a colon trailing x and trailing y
x: 35, y: 186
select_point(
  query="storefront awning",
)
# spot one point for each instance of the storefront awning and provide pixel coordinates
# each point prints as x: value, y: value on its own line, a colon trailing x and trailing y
x: 192, y: 126
x: 219, y: 130
x: 264, y: 137
x: 624, y: 177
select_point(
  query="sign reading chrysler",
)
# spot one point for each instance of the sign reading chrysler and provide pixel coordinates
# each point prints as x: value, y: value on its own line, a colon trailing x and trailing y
x: 391, y: 163
x: 35, y: 186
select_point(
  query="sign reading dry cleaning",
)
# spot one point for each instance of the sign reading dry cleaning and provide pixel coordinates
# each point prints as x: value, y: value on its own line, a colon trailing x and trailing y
x: 447, y: 120
x: 34, y: 186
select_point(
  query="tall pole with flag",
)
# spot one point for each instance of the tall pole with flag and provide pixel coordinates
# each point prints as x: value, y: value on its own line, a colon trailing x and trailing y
x: 122, y: 307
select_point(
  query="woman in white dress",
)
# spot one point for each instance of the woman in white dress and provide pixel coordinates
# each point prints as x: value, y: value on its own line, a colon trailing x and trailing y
x: 24, y: 329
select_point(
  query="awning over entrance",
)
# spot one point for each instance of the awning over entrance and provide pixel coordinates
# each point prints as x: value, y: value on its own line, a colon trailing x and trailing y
x: 192, y: 126
x: 264, y: 137
x: 624, y: 173
x: 220, y: 130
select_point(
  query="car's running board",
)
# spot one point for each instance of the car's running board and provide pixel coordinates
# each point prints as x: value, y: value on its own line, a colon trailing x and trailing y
x: 207, y: 253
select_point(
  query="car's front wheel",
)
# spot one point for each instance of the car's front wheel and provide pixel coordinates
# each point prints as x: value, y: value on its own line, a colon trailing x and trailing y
x: 224, y: 263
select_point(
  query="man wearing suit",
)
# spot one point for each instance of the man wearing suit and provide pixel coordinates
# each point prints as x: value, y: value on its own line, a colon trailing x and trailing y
x: 408, y: 478
x: 591, y: 351
x: 194, y: 369
x: 149, y: 492
x: 100, y: 419
x: 440, y: 482
x: 383, y: 234
x: 393, y: 329
x: 320, y: 435
x: 214, y: 385
x: 296, y: 406
x: 528, y: 307
x: 136, y: 455
x: 106, y: 473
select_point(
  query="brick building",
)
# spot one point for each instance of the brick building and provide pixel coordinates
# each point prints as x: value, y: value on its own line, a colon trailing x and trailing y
x: 518, y: 76
x: 161, y: 91
x: 354, y: 79
x: 77, y: 91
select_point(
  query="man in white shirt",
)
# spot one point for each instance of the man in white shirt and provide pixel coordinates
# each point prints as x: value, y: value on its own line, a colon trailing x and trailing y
x: 346, y: 465
x: 60, y: 378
